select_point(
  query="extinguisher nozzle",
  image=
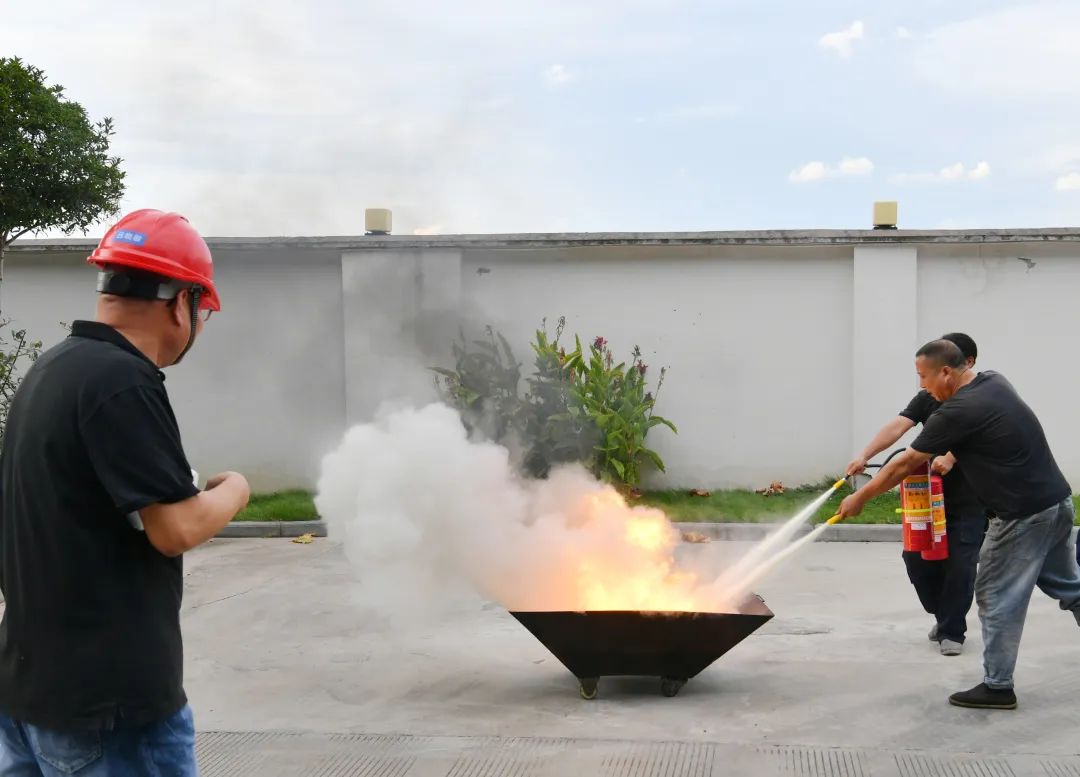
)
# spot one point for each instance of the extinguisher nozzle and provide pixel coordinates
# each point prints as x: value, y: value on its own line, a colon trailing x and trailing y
x: 838, y: 483
x: 831, y: 521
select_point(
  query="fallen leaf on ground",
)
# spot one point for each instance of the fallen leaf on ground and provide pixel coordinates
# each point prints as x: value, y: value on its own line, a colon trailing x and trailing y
x: 693, y: 536
x: 698, y: 492
x: 304, y: 539
x: 776, y: 487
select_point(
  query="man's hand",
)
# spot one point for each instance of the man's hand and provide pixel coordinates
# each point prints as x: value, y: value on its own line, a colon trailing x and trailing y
x: 888, y: 476
x: 855, y: 466
x: 177, y: 527
x: 943, y: 465
x: 217, y: 480
x: 851, y: 506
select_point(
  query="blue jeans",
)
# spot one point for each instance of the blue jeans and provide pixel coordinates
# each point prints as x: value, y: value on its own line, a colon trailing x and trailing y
x: 1016, y: 557
x: 163, y: 749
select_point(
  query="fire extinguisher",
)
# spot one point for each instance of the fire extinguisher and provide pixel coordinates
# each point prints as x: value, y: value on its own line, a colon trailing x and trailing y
x: 939, y: 548
x: 922, y: 499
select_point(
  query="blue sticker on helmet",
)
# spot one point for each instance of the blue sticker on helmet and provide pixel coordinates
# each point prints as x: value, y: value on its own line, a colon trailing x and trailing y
x: 129, y: 236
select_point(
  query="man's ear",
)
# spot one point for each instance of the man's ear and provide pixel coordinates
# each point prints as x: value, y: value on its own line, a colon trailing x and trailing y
x: 180, y: 308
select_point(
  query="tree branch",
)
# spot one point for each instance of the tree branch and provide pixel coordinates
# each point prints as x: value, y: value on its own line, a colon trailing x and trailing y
x: 19, y: 234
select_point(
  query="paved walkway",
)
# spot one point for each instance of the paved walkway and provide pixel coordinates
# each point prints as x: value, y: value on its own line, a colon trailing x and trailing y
x: 842, y: 682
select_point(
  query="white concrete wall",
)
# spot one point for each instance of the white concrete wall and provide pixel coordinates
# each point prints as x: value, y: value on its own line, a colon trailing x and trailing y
x: 263, y: 390
x: 757, y: 342
x: 782, y: 360
x: 1025, y: 322
x: 884, y: 327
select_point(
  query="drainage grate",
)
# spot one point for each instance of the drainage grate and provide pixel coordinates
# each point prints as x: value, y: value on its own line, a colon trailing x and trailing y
x: 273, y: 754
x: 515, y: 757
x: 1061, y: 768
x: 278, y: 754
x: 818, y: 762
x: 677, y: 759
x: 919, y: 765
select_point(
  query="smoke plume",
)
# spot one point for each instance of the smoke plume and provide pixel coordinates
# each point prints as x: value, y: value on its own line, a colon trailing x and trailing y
x: 426, y: 513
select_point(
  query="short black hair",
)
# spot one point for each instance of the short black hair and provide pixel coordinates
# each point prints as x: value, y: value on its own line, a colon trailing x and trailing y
x: 964, y: 343
x: 943, y: 353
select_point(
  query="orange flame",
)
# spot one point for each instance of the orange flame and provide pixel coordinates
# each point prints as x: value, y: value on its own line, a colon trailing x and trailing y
x: 636, y: 570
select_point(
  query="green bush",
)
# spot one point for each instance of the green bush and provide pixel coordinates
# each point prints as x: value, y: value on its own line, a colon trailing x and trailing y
x: 613, y: 397
x: 578, y: 406
x: 16, y: 350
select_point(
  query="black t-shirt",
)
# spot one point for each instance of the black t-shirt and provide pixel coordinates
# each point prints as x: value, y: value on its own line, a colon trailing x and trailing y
x: 1001, y: 445
x: 90, y: 637
x: 960, y: 498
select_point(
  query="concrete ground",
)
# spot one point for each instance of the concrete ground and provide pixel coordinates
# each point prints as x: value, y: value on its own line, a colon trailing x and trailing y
x: 842, y: 681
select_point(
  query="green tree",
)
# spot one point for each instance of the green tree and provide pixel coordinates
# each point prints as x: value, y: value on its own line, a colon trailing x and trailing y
x: 55, y: 173
x: 55, y: 168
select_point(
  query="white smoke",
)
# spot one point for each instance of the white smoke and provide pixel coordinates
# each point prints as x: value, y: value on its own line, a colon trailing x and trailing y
x: 426, y: 515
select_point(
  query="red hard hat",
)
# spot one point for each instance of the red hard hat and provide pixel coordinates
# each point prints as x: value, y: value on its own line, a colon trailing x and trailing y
x: 161, y: 243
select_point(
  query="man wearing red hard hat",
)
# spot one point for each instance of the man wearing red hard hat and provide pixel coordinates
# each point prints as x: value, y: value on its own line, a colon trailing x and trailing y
x: 97, y: 504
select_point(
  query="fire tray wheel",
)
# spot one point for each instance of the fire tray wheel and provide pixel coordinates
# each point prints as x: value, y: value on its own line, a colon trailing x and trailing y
x: 588, y: 687
x: 671, y: 687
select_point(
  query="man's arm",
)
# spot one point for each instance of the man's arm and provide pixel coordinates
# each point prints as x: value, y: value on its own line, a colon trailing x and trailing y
x: 886, y: 436
x: 178, y: 527
x: 888, y: 477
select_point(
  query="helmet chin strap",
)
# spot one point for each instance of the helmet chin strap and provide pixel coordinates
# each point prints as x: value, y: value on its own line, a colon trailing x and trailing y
x: 196, y: 293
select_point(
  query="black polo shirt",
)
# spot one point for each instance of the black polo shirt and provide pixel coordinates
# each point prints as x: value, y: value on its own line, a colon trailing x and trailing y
x: 960, y: 500
x: 1001, y: 445
x: 90, y: 637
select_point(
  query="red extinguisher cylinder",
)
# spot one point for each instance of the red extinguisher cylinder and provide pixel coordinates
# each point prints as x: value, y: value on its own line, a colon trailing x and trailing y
x: 939, y: 546
x: 915, y: 504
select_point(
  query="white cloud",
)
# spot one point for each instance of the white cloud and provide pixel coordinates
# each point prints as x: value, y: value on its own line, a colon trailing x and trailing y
x: 811, y: 171
x: 903, y: 33
x: 857, y: 166
x: 1027, y: 51
x: 1068, y: 183
x: 952, y: 172
x: 947, y: 174
x: 819, y: 171
x: 842, y: 41
x: 558, y: 75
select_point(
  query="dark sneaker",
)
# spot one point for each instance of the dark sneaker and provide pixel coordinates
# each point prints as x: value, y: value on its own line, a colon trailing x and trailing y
x: 984, y: 698
x: 933, y: 633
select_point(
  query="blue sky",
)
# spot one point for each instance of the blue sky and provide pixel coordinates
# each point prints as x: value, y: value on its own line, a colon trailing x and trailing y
x: 283, y: 117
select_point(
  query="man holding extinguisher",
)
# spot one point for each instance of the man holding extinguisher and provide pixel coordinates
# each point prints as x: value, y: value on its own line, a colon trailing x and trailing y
x: 998, y: 440
x: 945, y: 588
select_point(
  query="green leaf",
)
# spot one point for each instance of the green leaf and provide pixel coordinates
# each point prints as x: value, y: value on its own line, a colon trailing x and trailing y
x: 655, y: 458
x: 618, y: 467
x: 659, y: 420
